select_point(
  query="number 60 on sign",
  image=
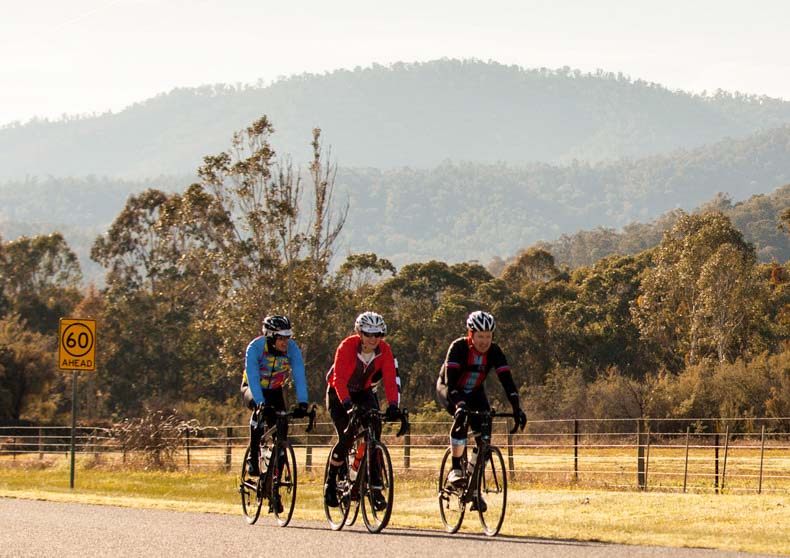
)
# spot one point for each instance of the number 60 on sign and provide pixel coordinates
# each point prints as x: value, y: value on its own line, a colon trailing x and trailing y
x: 77, y: 346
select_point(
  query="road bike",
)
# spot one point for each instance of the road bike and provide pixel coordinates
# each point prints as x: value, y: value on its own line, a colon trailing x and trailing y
x: 277, y: 464
x: 484, y: 485
x: 365, y: 479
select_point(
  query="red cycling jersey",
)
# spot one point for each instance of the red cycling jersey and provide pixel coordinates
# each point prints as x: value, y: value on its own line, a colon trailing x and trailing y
x: 350, y: 373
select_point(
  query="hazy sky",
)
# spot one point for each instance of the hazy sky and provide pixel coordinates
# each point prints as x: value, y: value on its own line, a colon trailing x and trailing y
x: 89, y: 56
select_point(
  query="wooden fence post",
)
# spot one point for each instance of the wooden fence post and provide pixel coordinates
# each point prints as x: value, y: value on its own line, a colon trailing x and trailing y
x: 407, y: 451
x: 726, y: 450
x: 686, y: 466
x: 716, y: 462
x: 308, y: 459
x: 187, y: 445
x: 575, y: 450
x: 228, y: 455
x: 762, y: 455
x: 40, y: 444
x: 640, y: 456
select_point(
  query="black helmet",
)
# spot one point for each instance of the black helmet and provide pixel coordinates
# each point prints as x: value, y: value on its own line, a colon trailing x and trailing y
x: 480, y: 321
x: 276, y: 325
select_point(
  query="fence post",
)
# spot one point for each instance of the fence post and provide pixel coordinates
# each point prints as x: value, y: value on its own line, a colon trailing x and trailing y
x: 575, y: 450
x: 13, y: 448
x: 640, y: 456
x: 647, y: 453
x: 686, y: 467
x: 726, y: 450
x: 407, y: 451
x: 716, y: 462
x: 308, y: 458
x: 187, y: 444
x: 511, y: 461
x: 228, y: 435
x: 40, y: 444
x: 762, y: 454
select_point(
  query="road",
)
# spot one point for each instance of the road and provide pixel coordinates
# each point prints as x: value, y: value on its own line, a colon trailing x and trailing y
x: 34, y: 528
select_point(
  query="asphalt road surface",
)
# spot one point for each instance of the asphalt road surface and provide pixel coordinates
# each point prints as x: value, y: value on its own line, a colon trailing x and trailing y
x: 33, y: 528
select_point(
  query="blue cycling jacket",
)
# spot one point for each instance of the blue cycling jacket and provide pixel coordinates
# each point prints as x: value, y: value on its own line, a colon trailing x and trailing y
x: 269, y: 370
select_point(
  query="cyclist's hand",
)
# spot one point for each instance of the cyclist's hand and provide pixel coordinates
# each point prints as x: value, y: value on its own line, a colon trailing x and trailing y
x: 460, y: 410
x: 393, y: 413
x: 521, y: 417
x: 348, y: 405
x: 299, y: 411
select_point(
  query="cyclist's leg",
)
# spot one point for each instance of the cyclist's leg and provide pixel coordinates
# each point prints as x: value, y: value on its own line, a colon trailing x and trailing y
x: 275, y: 398
x: 478, y: 402
x: 255, y: 432
x: 458, y: 435
x: 338, y: 453
x: 367, y: 399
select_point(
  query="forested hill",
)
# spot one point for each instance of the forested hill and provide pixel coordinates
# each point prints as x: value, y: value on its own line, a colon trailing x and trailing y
x: 462, y: 212
x: 417, y: 115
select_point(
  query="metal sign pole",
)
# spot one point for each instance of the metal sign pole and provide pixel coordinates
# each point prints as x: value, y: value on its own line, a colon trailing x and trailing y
x: 73, y: 424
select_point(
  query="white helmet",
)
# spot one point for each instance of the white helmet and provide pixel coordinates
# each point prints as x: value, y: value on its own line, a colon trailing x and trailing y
x: 480, y: 321
x: 370, y: 322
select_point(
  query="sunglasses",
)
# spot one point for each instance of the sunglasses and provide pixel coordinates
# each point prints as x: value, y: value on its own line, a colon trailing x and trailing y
x: 276, y: 337
x: 377, y: 334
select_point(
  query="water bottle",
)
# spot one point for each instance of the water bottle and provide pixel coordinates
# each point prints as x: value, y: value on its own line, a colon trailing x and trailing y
x: 357, y: 459
x: 470, y: 466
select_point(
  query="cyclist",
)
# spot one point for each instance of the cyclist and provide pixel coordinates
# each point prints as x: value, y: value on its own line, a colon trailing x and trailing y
x: 270, y: 359
x: 358, y: 359
x: 460, y: 386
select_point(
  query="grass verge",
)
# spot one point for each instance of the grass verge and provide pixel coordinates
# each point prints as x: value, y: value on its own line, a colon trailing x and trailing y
x: 724, y: 521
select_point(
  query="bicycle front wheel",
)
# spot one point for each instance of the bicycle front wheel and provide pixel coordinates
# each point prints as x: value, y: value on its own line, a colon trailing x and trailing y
x: 251, y: 495
x: 377, y: 489
x: 451, y: 505
x: 491, y: 497
x: 337, y: 515
x: 283, y: 496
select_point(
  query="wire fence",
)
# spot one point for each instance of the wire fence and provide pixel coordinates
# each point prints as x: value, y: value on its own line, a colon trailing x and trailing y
x: 690, y: 455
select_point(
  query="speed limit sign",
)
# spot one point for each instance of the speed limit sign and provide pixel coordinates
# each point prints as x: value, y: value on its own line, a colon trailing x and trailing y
x: 77, y: 344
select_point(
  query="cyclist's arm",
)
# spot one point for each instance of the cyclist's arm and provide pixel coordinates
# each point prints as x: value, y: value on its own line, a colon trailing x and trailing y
x: 297, y: 367
x: 388, y: 373
x: 504, y: 374
x: 252, y: 368
x: 456, y: 355
x: 345, y: 362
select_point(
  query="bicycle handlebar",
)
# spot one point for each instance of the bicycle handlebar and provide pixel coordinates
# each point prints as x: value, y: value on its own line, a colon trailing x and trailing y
x: 491, y: 413
x: 290, y: 414
x: 359, y: 413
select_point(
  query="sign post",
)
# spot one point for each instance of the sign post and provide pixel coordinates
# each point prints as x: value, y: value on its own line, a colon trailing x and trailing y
x: 76, y: 351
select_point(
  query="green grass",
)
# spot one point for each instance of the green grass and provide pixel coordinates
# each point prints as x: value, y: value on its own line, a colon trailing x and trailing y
x: 745, y: 522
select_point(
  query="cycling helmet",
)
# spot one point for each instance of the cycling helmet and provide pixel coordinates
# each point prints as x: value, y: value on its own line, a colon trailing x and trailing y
x: 276, y: 325
x: 481, y: 321
x: 370, y: 322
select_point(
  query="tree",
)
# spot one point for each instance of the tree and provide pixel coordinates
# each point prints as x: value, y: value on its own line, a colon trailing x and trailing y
x: 27, y: 369
x: 689, y: 278
x: 41, y: 277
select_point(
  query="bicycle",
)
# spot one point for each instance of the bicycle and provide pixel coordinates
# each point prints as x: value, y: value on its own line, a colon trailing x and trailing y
x: 354, y: 487
x: 278, y: 480
x: 485, y: 488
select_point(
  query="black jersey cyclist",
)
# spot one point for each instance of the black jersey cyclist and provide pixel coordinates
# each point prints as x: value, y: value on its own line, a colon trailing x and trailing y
x: 460, y: 385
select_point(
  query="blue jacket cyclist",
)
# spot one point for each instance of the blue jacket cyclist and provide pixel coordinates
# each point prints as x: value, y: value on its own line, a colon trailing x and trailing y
x: 270, y: 359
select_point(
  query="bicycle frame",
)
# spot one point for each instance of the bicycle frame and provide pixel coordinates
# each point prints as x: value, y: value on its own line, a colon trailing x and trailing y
x: 273, y: 438
x: 475, y: 485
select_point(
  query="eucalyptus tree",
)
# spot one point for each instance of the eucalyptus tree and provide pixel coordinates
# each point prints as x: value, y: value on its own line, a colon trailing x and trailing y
x: 696, y: 299
x: 40, y: 280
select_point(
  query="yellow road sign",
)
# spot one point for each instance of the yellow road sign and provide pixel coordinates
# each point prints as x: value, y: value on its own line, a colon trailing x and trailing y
x: 77, y: 344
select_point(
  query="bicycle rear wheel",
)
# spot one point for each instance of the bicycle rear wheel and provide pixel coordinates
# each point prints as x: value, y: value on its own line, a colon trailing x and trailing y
x: 451, y: 505
x: 378, y: 489
x: 251, y: 495
x: 337, y: 516
x: 283, y: 496
x: 492, y: 492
